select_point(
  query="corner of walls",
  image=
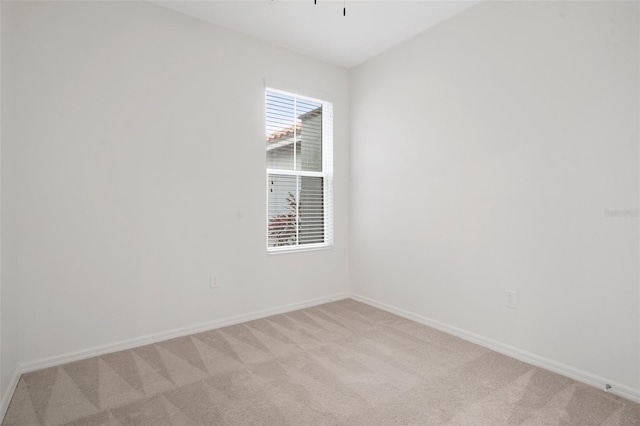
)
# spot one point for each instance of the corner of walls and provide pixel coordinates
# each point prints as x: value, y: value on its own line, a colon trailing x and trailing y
x: 2, y: 409
x: 638, y: 319
x: 9, y: 365
x: 8, y: 392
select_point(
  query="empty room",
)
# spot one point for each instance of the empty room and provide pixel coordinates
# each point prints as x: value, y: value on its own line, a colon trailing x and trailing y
x: 320, y: 212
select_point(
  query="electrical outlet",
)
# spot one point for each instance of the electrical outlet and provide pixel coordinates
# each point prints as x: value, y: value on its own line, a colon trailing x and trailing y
x: 213, y: 281
x: 511, y: 299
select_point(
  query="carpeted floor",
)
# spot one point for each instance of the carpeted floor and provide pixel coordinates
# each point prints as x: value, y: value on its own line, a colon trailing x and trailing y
x: 340, y: 363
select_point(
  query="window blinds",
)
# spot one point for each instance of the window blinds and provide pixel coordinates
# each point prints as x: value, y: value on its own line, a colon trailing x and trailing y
x: 299, y: 154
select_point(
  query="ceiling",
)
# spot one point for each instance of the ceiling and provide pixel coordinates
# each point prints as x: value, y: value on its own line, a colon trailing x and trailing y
x: 321, y: 31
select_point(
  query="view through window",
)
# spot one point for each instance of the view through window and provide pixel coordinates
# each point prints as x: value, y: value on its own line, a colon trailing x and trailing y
x: 299, y: 167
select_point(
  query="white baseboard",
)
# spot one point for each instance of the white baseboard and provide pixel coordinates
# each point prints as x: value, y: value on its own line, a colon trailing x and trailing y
x: 565, y: 370
x: 528, y: 357
x: 8, y: 394
x: 152, y: 338
x: 171, y: 334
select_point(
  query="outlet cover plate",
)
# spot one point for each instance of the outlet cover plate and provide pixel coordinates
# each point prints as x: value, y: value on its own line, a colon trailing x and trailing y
x: 511, y: 299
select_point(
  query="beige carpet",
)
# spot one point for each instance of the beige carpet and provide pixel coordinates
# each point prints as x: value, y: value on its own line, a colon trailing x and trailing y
x: 340, y: 363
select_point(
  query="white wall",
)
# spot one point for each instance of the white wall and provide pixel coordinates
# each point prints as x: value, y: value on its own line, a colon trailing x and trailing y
x: 498, y: 137
x: 138, y: 168
x: 2, y: 386
x: 484, y: 153
x: 8, y: 286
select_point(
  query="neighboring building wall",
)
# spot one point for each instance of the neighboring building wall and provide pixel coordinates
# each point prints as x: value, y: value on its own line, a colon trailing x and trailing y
x: 311, y: 188
x: 307, y: 190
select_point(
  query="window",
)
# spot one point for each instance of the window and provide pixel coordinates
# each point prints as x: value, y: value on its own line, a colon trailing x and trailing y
x: 299, y: 150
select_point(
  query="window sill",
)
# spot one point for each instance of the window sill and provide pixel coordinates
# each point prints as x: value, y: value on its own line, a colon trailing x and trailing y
x: 297, y: 249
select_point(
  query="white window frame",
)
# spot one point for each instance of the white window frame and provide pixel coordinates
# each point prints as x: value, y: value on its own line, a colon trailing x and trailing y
x: 326, y: 174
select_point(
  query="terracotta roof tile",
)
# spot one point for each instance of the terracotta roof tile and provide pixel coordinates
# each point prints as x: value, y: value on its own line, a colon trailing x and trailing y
x: 284, y: 133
